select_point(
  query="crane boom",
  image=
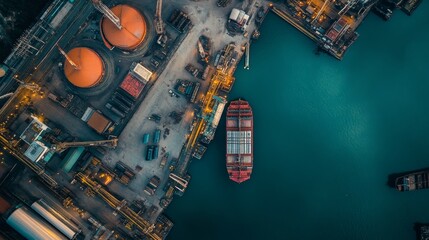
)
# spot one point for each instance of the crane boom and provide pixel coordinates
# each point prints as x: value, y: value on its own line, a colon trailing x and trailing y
x: 320, y: 11
x: 111, y: 143
x: 75, y: 66
x: 159, y: 24
x: 6, y: 95
x: 107, y: 13
x: 346, y: 8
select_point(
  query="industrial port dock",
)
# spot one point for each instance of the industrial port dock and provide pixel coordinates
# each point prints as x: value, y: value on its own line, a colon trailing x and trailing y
x: 104, y: 104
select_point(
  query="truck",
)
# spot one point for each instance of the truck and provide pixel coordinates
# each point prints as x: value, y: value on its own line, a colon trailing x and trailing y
x: 152, y: 185
x: 164, y: 160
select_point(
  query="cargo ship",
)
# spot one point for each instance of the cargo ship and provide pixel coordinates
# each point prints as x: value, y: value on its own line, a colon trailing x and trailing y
x: 413, y: 181
x: 239, y: 140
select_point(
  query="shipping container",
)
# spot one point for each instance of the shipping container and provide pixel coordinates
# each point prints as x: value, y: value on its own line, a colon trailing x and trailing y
x: 146, y: 137
x: 155, y: 152
x: 149, y: 153
x: 156, y: 136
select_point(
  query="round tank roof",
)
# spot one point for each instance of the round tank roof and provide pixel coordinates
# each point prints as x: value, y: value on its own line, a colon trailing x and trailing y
x: 89, y: 67
x: 133, y: 29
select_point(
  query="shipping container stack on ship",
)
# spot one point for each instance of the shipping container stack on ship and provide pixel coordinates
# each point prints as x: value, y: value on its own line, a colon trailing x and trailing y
x: 239, y: 141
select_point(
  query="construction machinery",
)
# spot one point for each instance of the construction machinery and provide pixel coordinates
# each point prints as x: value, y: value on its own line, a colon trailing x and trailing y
x: 159, y: 24
x: 107, y: 13
x: 111, y: 143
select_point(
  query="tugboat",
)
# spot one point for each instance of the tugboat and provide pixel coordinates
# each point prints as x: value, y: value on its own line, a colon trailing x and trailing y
x: 239, y: 141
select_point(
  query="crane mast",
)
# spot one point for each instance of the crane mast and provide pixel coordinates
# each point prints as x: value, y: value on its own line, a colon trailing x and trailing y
x: 107, y: 13
x: 159, y: 25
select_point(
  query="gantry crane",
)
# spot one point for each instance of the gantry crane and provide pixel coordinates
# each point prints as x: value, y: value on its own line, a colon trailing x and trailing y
x: 111, y: 143
x: 107, y: 13
x: 159, y: 24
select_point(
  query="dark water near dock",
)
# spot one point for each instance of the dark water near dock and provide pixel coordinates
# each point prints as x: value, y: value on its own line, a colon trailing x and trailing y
x: 327, y: 135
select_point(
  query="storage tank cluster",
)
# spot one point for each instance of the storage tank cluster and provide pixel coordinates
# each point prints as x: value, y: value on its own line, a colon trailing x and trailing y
x: 84, y: 68
x: 44, y: 223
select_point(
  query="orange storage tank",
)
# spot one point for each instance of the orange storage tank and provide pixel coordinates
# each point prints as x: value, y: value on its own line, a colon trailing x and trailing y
x: 133, y: 29
x: 89, y: 70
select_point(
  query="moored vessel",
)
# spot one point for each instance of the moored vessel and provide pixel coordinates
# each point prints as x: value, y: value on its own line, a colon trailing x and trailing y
x: 239, y: 141
x: 412, y: 181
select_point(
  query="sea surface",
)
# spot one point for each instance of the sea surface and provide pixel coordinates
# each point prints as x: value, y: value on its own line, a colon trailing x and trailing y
x: 327, y: 135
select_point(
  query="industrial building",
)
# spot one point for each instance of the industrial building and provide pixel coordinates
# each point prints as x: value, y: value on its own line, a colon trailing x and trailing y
x: 31, y: 226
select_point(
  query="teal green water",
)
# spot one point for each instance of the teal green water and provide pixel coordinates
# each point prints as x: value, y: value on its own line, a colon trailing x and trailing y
x: 327, y: 134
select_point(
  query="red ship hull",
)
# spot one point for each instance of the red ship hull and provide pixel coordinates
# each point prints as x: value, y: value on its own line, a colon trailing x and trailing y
x: 239, y: 141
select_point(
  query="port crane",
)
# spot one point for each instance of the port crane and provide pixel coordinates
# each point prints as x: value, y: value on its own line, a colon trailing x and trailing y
x: 31, y: 86
x: 320, y: 11
x: 159, y: 24
x: 111, y: 143
x: 74, y: 65
x: 350, y: 4
x: 100, y: 6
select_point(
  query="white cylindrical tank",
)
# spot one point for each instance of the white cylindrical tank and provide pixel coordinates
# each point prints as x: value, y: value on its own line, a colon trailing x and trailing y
x: 234, y: 14
x: 31, y: 226
x: 44, y: 210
